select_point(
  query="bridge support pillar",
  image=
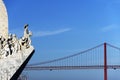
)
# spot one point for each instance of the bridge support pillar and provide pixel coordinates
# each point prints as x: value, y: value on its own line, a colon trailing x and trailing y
x: 105, y: 61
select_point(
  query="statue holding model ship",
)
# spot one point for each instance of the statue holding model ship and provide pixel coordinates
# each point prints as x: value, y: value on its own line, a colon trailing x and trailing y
x: 14, y: 52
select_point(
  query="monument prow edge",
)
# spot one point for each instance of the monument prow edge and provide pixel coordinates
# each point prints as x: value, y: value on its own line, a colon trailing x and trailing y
x: 14, y: 52
x: 18, y: 72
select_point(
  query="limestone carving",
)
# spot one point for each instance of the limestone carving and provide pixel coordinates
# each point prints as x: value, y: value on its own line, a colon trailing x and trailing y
x: 13, y: 44
x: 13, y: 50
x: 26, y: 41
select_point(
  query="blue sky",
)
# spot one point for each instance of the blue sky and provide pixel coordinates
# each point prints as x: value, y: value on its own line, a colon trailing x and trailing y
x: 64, y: 27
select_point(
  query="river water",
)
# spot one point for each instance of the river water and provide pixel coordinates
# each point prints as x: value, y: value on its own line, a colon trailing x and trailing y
x: 72, y: 75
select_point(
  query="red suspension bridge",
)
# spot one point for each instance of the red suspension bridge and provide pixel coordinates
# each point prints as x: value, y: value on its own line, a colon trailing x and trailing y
x: 104, y: 56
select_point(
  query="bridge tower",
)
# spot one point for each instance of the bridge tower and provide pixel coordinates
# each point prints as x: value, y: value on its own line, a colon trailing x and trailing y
x: 105, y: 61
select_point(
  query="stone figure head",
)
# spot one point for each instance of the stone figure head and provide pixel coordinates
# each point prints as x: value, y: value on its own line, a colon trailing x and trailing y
x: 26, y: 26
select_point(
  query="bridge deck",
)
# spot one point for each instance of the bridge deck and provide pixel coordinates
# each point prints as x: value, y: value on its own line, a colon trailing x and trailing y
x: 70, y: 67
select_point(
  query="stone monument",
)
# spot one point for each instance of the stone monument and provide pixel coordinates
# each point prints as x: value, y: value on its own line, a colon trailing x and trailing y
x: 14, y: 52
x: 3, y: 20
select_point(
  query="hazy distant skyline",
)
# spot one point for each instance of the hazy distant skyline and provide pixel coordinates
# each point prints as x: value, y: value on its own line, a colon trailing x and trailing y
x: 64, y: 27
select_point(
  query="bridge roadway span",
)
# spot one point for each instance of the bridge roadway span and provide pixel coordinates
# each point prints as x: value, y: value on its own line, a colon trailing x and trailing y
x: 71, y: 67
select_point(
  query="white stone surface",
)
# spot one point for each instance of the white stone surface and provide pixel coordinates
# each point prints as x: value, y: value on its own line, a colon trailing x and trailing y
x: 10, y: 64
x: 3, y: 20
x: 13, y: 51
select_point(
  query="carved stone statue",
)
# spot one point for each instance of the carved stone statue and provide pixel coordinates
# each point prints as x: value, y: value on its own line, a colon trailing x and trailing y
x: 26, y: 41
x: 2, y: 42
x: 26, y: 32
x: 13, y: 51
x: 13, y: 45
